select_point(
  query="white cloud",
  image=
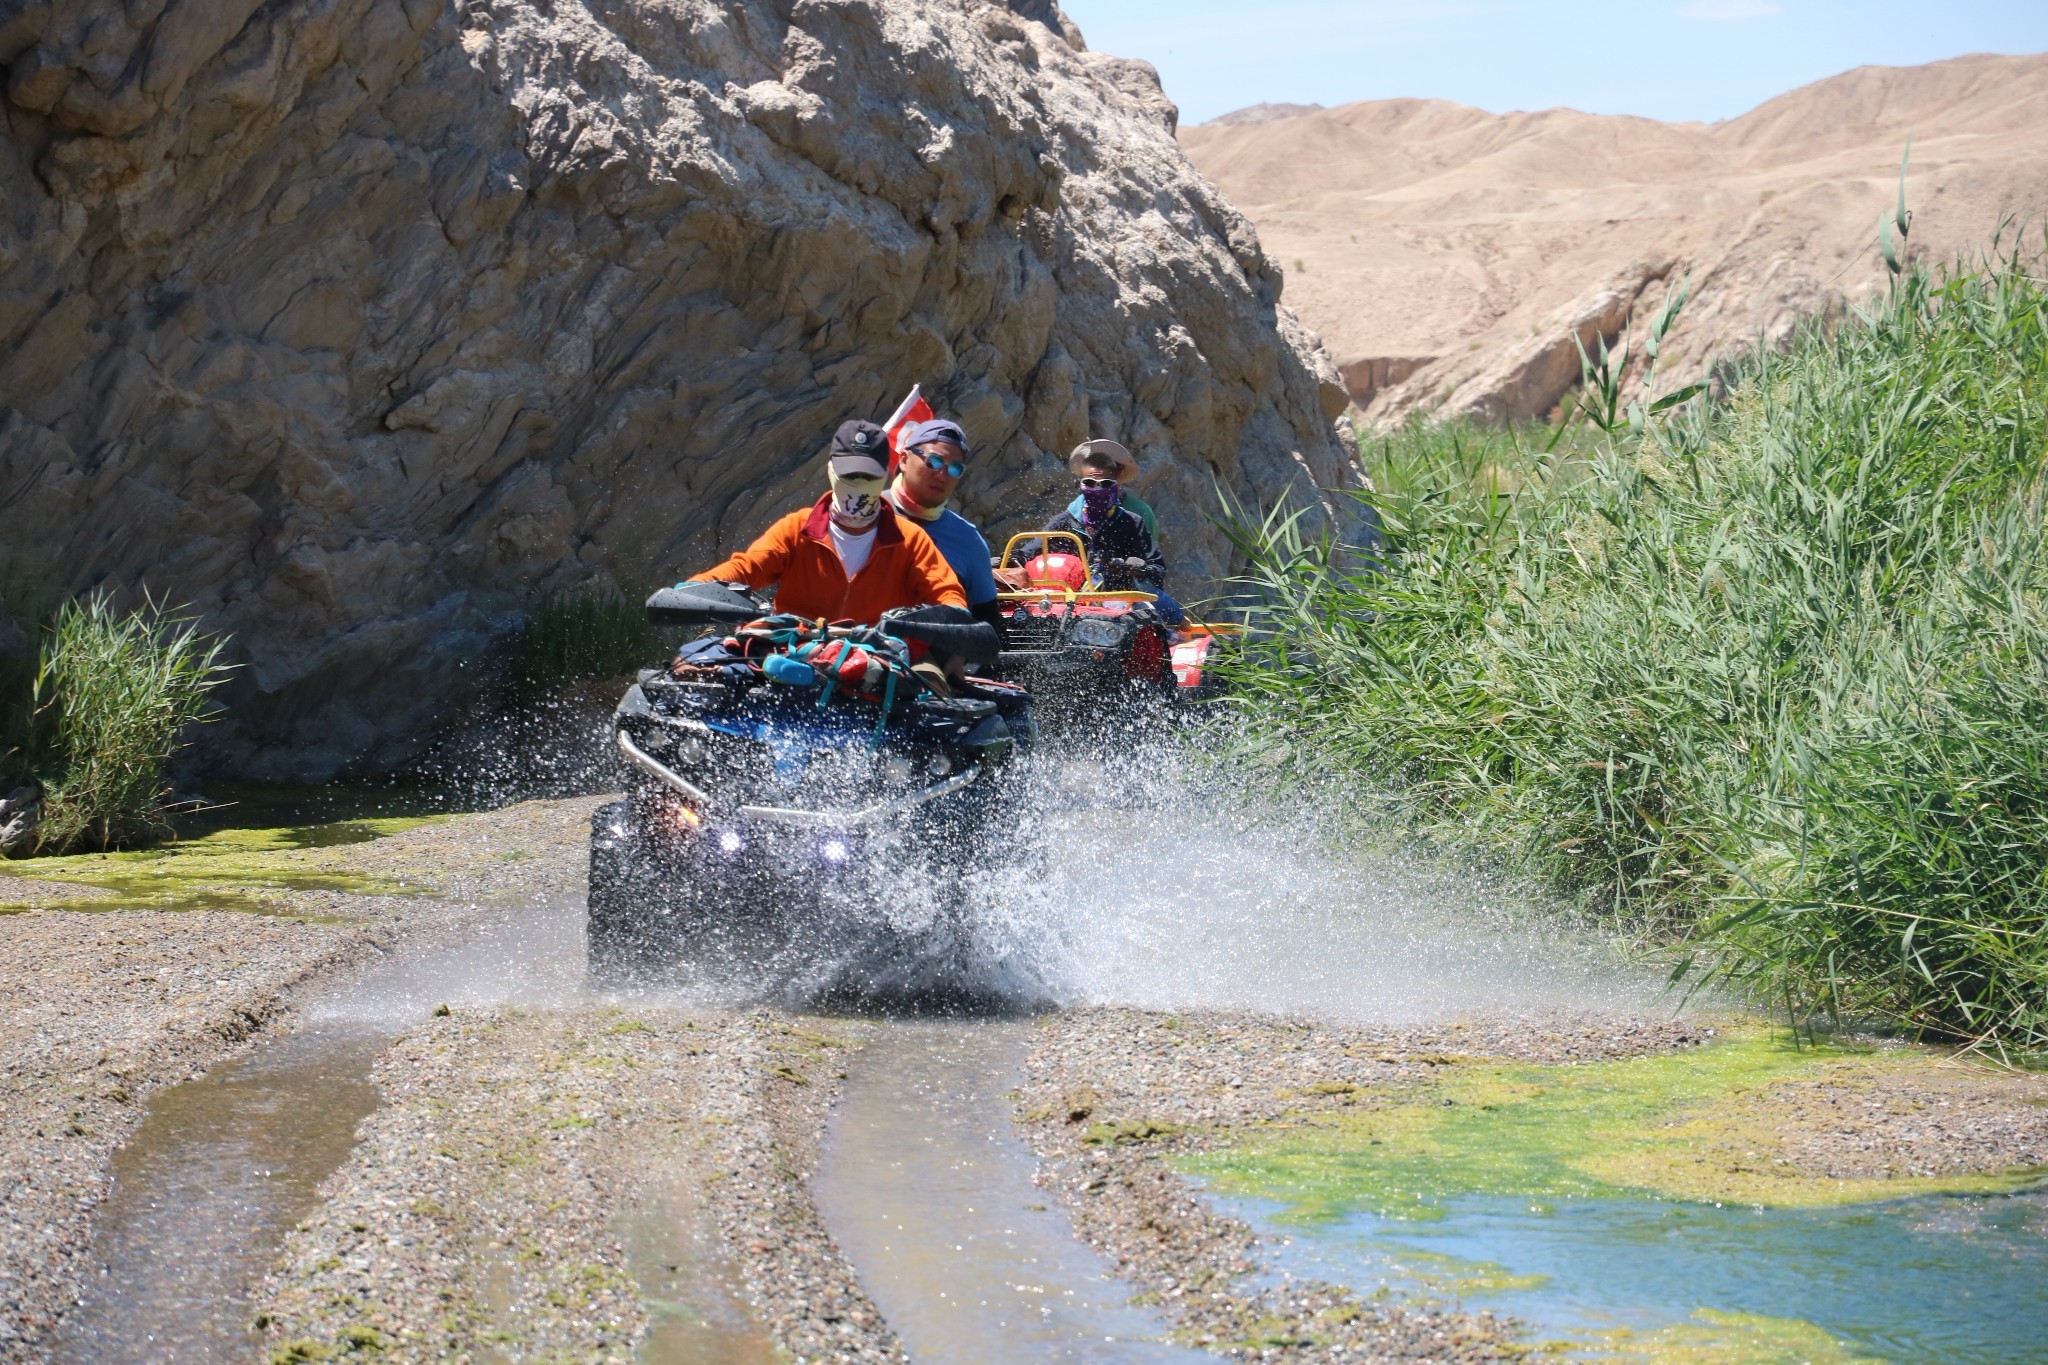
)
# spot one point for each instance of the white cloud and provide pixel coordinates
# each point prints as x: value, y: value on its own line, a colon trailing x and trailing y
x: 1731, y: 9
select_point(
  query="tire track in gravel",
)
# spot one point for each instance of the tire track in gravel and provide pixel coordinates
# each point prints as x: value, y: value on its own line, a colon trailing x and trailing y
x: 483, y: 1214
x: 100, y: 1010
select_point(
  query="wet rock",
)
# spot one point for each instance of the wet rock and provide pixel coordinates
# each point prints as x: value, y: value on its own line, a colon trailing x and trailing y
x: 1128, y: 1132
x: 357, y: 323
x: 20, y: 811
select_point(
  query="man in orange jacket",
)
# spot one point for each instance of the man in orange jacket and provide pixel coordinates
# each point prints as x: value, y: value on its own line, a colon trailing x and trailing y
x: 848, y: 557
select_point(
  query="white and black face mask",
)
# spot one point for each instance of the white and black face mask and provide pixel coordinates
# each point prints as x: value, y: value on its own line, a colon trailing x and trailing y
x: 856, y: 500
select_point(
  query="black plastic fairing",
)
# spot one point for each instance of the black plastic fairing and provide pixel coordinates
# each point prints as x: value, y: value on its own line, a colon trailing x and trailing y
x: 951, y: 629
x: 702, y: 604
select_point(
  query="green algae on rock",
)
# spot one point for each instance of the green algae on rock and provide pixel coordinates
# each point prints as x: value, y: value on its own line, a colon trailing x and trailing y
x: 225, y: 869
x: 1714, y: 1338
x: 1697, y: 1125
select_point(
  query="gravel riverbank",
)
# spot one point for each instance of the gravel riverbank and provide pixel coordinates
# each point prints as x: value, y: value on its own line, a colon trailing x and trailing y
x: 96, y: 1012
x: 1114, y: 1097
x: 486, y: 1213
x: 570, y: 1182
x: 100, y: 1008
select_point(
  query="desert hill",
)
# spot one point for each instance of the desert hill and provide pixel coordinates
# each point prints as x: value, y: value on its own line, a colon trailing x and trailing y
x: 1447, y: 255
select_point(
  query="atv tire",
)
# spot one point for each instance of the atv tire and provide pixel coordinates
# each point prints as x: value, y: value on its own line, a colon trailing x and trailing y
x: 641, y: 914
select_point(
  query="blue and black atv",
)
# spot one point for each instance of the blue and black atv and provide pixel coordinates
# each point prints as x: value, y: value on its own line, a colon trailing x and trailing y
x: 803, y: 801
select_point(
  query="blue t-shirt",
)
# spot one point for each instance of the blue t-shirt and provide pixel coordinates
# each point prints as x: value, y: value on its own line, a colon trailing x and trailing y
x: 966, y: 551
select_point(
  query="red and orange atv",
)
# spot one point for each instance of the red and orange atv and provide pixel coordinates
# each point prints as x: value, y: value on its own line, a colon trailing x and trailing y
x: 1062, y: 635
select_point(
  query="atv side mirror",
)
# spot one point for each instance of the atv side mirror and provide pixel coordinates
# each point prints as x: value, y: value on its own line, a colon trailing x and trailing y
x: 702, y: 604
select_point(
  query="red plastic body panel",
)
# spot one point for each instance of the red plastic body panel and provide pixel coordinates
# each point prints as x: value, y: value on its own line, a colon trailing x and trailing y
x: 1190, y: 656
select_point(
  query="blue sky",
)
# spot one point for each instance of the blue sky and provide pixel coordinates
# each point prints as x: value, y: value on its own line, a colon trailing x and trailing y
x: 1668, y: 59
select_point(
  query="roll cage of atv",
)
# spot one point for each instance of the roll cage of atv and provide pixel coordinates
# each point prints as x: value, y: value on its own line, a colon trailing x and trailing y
x: 1060, y: 634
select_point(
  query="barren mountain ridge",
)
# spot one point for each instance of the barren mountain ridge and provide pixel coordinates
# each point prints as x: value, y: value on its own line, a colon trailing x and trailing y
x: 1448, y: 255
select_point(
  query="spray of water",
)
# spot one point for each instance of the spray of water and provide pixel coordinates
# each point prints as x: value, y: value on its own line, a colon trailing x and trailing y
x: 1160, y: 886
x: 1130, y: 874
x: 558, y: 744
x: 1122, y: 868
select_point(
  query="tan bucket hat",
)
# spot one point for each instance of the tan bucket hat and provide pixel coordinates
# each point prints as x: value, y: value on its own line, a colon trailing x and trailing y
x: 1126, y: 463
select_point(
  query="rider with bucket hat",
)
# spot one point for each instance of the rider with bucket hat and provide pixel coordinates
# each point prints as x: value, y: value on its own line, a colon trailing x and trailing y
x: 1122, y: 553
x: 1126, y: 473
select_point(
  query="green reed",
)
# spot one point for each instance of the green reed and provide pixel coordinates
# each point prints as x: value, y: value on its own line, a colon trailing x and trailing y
x: 1768, y: 678
x: 112, y: 697
x: 573, y: 635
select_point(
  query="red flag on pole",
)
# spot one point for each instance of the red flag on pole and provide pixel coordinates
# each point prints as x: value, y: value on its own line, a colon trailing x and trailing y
x: 912, y: 410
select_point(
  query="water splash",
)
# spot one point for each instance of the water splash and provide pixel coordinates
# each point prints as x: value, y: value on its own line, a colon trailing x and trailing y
x: 1113, y: 871
x: 1150, y: 886
x: 1138, y: 879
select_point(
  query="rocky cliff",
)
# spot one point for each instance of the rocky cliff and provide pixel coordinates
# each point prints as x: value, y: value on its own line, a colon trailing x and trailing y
x: 357, y: 323
x: 1449, y: 255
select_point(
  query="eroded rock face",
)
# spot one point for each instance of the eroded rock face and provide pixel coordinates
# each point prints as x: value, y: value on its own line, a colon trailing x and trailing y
x: 357, y: 323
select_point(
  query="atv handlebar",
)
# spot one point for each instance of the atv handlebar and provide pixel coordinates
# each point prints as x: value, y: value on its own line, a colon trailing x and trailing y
x: 951, y: 629
x: 702, y: 604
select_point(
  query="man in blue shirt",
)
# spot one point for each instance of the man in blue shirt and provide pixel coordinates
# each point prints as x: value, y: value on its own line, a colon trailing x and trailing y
x: 935, y: 459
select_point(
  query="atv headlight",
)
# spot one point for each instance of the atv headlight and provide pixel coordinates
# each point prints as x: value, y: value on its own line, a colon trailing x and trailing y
x: 897, y: 769
x: 1099, y: 632
x: 689, y: 751
x: 939, y: 765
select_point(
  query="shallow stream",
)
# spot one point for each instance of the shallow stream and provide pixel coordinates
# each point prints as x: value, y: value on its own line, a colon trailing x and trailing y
x: 1960, y: 1279
x: 206, y: 1190
x: 926, y: 1186
x: 223, y: 1166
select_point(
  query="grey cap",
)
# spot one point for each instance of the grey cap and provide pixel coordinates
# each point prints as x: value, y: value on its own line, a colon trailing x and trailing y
x: 938, y: 429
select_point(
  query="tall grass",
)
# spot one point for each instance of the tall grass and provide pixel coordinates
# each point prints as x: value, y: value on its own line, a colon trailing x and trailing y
x: 1768, y: 678
x: 571, y: 635
x: 113, y: 693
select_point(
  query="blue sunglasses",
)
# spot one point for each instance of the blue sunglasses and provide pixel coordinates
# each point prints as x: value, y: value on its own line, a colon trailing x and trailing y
x: 935, y: 463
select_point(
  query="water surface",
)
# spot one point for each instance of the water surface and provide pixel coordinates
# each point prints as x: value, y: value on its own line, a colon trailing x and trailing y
x: 222, y: 1167
x: 205, y: 1192
x: 1960, y: 1279
x: 926, y: 1186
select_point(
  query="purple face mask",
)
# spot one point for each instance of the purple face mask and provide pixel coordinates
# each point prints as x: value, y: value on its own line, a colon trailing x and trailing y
x: 1098, y: 503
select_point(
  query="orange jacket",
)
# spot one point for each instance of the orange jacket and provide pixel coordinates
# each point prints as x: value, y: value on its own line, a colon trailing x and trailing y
x: 796, y: 558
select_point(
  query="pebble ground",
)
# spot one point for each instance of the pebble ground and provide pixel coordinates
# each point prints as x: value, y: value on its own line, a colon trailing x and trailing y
x: 483, y: 1214
x: 480, y: 1216
x: 99, y: 1009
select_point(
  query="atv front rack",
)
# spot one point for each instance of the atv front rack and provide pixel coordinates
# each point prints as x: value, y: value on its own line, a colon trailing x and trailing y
x: 833, y: 819
x: 789, y: 815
